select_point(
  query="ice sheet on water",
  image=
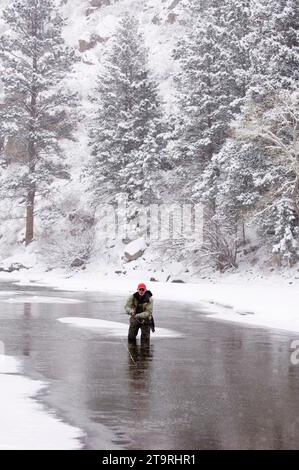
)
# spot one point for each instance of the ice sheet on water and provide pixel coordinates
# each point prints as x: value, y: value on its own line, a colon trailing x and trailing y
x: 39, y: 299
x: 111, y: 328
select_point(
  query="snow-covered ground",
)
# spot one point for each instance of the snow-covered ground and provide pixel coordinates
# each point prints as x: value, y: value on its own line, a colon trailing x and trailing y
x: 271, y: 301
x: 26, y: 424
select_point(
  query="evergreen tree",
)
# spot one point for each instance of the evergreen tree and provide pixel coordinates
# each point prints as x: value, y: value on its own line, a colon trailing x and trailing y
x: 274, y: 48
x: 270, y: 115
x: 237, y: 189
x: 126, y: 135
x: 237, y: 15
x: 253, y: 178
x: 286, y: 232
x: 37, y: 109
x: 211, y: 88
x: 202, y: 91
x: 234, y: 180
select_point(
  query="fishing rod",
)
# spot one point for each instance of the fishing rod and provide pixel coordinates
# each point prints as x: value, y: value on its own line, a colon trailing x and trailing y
x: 123, y: 342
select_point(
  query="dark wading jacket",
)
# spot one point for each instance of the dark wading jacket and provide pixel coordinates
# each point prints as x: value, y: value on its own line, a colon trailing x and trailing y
x: 143, y: 305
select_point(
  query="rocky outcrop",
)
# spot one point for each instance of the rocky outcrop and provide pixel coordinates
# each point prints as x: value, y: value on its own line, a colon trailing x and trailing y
x: 94, y: 40
x: 77, y: 263
x: 171, y: 18
x: 156, y: 20
x: 13, y: 267
x: 96, y: 4
x: 99, y: 3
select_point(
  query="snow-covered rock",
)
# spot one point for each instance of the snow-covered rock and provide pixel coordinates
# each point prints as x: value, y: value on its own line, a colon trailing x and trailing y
x: 135, y: 249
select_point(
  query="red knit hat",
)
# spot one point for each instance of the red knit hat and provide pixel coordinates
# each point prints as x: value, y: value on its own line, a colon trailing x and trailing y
x: 141, y: 286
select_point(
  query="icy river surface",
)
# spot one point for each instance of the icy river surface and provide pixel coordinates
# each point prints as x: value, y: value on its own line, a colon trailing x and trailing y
x: 200, y: 384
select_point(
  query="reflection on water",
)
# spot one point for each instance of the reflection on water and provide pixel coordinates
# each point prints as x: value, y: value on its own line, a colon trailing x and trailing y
x: 139, y: 380
x: 140, y: 355
x: 27, y: 329
x: 139, y: 374
x: 222, y: 386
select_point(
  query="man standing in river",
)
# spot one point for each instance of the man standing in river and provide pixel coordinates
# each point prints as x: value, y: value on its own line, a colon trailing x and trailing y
x: 140, y: 308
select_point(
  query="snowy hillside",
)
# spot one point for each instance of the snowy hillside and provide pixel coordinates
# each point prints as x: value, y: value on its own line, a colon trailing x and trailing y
x: 92, y: 23
x: 111, y: 109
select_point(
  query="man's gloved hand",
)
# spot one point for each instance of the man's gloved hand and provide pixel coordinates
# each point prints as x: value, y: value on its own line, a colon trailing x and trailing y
x: 132, y: 311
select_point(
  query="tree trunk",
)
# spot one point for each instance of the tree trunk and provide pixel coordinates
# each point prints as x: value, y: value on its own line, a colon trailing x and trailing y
x: 295, y: 194
x: 32, y: 160
x: 30, y: 217
x: 243, y: 229
x: 209, y: 225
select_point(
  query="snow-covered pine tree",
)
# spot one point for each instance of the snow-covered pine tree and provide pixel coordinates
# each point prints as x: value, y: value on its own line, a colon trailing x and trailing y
x: 244, y: 175
x: 126, y: 133
x: 273, y: 43
x: 236, y: 15
x: 231, y: 66
x: 37, y: 108
x: 211, y: 88
x: 286, y: 232
x: 203, y: 97
x: 270, y: 115
x: 203, y: 85
x: 225, y: 178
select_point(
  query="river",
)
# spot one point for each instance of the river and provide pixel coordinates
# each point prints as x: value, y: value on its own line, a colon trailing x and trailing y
x: 220, y: 386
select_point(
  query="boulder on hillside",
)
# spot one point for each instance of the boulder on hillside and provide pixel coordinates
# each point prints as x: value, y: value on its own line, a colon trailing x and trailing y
x: 99, y: 3
x: 77, y: 263
x: 96, y: 4
x: 135, y: 249
x: 94, y: 40
x: 171, y: 18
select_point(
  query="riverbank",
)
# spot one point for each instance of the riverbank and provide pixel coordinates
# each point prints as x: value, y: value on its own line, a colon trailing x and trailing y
x: 271, y: 302
x: 25, y: 424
